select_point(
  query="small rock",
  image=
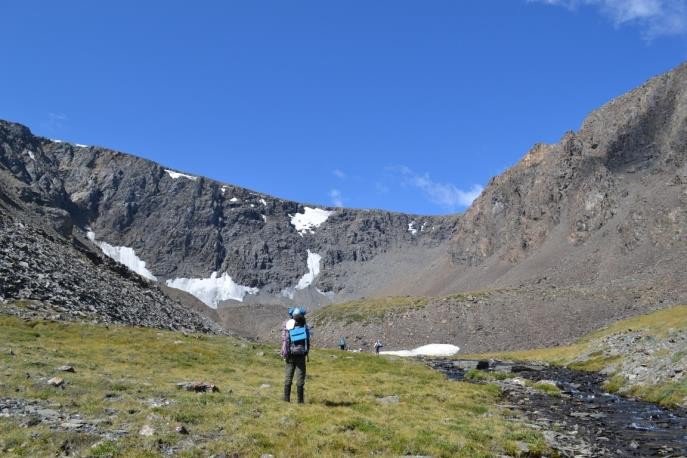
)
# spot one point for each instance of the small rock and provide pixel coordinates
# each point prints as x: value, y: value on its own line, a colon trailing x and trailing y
x: 146, y: 431
x: 74, y: 423
x: 265, y: 385
x: 31, y: 421
x: 394, y: 399
x: 199, y: 387
x: 260, y: 353
x: 266, y: 455
x: 523, y: 448
x: 181, y: 429
x: 634, y: 445
x: 66, y: 369
x: 56, y: 381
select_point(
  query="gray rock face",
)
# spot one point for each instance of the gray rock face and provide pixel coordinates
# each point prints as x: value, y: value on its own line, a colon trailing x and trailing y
x: 38, y: 264
x: 607, y: 200
x: 190, y: 227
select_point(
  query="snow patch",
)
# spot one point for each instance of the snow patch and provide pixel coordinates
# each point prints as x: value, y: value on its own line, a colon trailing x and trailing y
x: 54, y: 140
x: 411, y: 228
x: 233, y: 199
x: 308, y: 220
x: 264, y: 202
x: 313, y: 270
x: 31, y: 155
x: 264, y: 218
x: 123, y: 255
x: 307, y: 279
x: 426, y: 350
x: 80, y: 145
x: 422, y: 228
x: 211, y: 291
x: 224, y: 189
x: 176, y: 175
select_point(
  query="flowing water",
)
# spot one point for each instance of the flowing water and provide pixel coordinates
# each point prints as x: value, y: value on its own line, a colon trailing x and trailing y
x: 585, y: 420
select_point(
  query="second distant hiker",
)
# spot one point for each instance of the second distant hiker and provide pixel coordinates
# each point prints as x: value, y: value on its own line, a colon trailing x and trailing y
x: 295, y: 345
x: 342, y: 343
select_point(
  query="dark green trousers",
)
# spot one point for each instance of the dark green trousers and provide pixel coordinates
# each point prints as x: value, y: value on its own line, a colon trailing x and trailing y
x: 294, y: 364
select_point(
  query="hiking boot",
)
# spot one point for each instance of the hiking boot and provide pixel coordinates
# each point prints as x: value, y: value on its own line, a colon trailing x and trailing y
x: 299, y: 390
x: 287, y: 393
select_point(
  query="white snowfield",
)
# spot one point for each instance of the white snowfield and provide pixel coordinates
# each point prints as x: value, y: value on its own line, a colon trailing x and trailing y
x: 313, y: 270
x: 307, y: 279
x: 426, y: 350
x: 31, y: 155
x: 80, y: 145
x: 176, y: 175
x: 411, y: 228
x: 124, y: 255
x: 211, y: 291
x: 264, y: 202
x: 308, y: 220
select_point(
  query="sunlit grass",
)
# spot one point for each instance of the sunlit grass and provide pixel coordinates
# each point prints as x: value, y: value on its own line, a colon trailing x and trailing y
x: 369, y: 309
x: 125, y: 369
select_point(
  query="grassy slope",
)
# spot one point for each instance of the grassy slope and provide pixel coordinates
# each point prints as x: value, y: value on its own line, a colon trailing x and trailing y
x: 368, y: 309
x: 588, y: 354
x: 372, y: 309
x: 121, y: 368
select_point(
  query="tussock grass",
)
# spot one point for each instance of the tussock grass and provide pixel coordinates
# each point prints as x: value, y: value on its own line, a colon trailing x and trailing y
x: 369, y: 309
x: 133, y: 372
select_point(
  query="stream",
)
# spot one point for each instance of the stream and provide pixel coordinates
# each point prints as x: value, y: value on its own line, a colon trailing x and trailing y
x: 584, y: 420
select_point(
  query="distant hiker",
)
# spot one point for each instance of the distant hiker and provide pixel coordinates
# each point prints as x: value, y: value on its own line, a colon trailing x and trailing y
x: 342, y: 343
x: 295, y: 344
x: 378, y: 345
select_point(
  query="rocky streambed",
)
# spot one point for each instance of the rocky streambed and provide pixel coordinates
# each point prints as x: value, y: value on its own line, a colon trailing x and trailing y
x: 576, y: 416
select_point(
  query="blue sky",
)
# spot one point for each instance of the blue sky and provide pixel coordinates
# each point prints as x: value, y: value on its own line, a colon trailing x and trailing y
x: 402, y: 105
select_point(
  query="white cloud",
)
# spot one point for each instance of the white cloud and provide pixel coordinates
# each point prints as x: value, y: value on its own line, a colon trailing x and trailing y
x: 337, y: 198
x: 446, y: 195
x: 340, y: 174
x: 655, y: 17
x: 55, y: 121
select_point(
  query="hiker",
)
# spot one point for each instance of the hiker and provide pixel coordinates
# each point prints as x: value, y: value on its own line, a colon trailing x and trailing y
x: 295, y: 344
x: 378, y: 345
x: 342, y: 343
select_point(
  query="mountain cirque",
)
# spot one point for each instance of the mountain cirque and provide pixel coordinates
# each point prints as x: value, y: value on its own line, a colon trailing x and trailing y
x: 576, y: 234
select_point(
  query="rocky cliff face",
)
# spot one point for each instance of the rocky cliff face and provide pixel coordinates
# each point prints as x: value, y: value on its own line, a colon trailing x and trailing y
x: 187, y: 228
x: 609, y: 198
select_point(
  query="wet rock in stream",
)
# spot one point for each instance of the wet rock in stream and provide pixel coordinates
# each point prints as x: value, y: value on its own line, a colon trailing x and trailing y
x: 583, y: 420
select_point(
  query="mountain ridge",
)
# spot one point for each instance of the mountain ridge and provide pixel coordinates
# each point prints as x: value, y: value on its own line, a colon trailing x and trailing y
x: 601, y: 212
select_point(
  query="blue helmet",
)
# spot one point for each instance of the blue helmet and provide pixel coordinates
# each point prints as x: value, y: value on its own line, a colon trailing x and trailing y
x: 295, y: 311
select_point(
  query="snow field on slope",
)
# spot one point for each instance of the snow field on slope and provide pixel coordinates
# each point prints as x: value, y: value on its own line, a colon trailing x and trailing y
x: 426, y: 350
x: 123, y: 255
x: 176, y: 175
x: 211, y: 291
x: 310, y: 218
x: 313, y: 270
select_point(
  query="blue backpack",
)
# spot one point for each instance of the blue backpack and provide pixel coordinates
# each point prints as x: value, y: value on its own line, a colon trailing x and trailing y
x: 298, y: 341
